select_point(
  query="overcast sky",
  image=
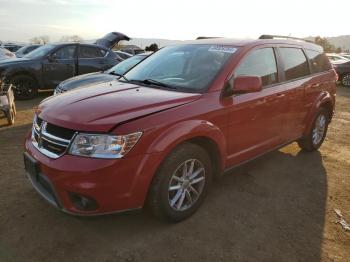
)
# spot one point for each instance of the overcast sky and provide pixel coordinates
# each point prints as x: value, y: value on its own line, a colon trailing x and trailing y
x: 21, y: 20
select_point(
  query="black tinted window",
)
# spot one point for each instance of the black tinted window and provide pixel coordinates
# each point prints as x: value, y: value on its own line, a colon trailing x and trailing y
x: 67, y: 52
x: 91, y: 52
x: 261, y: 63
x: 295, y: 63
x: 319, y: 61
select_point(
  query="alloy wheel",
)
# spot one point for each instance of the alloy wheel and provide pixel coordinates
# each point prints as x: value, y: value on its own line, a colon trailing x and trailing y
x: 186, y: 185
x: 346, y: 80
x: 319, y: 129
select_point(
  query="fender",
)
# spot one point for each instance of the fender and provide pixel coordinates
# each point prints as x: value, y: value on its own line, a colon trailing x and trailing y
x: 323, y: 98
x: 31, y: 70
x: 187, y: 130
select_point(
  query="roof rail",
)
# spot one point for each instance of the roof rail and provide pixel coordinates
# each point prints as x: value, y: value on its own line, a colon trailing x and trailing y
x: 282, y: 36
x: 206, y: 37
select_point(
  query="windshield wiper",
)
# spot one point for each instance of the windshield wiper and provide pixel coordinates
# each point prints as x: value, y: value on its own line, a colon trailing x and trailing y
x: 156, y: 83
x: 116, y: 74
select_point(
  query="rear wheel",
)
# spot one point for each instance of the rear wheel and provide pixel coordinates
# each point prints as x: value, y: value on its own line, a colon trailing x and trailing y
x: 345, y: 80
x: 181, y: 183
x: 318, y: 132
x: 24, y: 87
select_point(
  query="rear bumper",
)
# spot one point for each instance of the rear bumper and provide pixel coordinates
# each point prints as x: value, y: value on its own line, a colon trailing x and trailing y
x: 114, y: 184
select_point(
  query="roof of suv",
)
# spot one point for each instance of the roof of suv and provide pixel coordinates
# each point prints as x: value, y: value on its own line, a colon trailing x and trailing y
x: 254, y: 42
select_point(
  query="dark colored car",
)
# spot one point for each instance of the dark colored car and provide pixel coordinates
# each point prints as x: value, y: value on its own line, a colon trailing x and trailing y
x: 100, y: 77
x: 49, y: 65
x: 342, y: 67
x: 176, y: 121
x: 12, y: 47
x: 6, y: 54
x: 26, y: 50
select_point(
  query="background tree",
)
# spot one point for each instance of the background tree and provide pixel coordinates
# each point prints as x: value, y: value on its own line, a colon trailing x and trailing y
x: 327, y: 46
x: 338, y: 50
x: 71, y: 38
x: 40, y: 40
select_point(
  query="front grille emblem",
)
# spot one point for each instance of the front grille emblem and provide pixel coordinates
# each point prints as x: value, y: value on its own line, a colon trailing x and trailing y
x: 45, y: 139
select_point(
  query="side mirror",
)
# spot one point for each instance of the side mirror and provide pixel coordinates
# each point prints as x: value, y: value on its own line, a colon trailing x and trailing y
x: 247, y: 84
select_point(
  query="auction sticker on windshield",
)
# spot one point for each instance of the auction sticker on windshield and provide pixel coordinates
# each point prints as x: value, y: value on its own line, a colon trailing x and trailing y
x: 222, y: 49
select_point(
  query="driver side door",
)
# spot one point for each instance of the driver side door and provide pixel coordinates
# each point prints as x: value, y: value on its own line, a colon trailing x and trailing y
x: 60, y: 65
x: 256, y: 119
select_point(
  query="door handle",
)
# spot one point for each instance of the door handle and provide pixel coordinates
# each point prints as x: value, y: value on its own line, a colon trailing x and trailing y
x: 280, y: 95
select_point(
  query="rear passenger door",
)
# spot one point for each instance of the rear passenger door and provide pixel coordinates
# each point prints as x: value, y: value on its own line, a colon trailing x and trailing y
x: 256, y: 119
x: 92, y: 59
x: 295, y: 75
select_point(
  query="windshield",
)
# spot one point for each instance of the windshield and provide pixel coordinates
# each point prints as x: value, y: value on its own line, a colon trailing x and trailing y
x: 40, y: 52
x: 123, y: 67
x: 185, y: 67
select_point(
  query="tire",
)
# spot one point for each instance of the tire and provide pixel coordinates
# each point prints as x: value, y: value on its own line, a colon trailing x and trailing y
x: 10, y: 115
x: 318, y: 132
x: 24, y: 87
x: 345, y: 80
x: 174, y: 197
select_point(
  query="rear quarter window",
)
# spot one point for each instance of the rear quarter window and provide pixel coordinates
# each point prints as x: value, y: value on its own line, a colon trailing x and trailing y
x: 319, y: 61
x: 295, y: 63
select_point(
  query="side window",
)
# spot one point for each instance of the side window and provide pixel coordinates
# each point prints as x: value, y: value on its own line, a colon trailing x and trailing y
x: 91, y: 52
x: 319, y: 61
x: 261, y: 62
x: 67, y: 52
x: 295, y: 63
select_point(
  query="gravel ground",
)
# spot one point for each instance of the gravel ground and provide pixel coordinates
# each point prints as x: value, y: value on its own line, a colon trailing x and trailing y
x: 277, y: 208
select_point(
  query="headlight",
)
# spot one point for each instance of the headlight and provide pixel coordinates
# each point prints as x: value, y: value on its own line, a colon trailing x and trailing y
x: 103, y: 146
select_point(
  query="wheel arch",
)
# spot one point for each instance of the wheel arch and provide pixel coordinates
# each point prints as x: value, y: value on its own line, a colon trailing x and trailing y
x: 324, y: 100
x: 199, y: 132
x: 25, y: 73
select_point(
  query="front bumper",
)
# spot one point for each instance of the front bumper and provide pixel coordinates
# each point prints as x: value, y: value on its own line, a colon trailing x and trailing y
x: 115, y: 184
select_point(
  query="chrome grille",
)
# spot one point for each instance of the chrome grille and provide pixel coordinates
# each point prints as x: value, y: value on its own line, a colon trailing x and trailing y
x: 51, y: 140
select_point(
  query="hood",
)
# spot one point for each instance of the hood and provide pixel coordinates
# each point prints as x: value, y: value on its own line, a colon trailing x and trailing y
x: 101, y: 107
x: 111, y: 39
x: 86, y: 80
x: 340, y: 65
x: 340, y: 62
x: 14, y: 60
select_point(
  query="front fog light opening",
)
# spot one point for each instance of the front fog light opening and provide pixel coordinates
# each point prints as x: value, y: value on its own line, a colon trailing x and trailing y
x: 83, y: 203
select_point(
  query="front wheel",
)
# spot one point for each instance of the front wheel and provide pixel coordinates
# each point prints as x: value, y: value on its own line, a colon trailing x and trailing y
x: 316, y: 136
x: 24, y: 87
x: 181, y: 183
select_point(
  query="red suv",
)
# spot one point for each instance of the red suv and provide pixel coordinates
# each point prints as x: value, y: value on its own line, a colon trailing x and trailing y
x: 160, y: 134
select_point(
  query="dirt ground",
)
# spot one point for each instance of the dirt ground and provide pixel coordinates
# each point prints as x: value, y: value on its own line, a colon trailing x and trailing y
x: 277, y: 208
